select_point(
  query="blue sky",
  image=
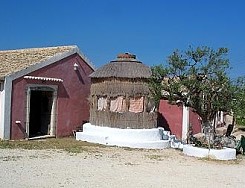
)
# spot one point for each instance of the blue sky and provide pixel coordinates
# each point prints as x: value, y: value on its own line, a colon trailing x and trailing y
x: 151, y: 29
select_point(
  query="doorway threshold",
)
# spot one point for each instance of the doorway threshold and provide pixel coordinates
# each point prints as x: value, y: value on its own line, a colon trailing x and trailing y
x: 41, y: 137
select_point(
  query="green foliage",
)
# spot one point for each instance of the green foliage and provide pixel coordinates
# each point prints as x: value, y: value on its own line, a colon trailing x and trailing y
x: 198, y: 78
x: 155, y: 82
x: 239, y: 101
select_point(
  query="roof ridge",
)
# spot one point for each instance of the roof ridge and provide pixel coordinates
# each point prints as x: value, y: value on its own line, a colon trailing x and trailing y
x: 13, y: 61
x: 40, y: 48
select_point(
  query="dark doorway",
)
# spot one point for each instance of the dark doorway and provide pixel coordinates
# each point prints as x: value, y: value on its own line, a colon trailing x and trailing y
x: 40, y: 112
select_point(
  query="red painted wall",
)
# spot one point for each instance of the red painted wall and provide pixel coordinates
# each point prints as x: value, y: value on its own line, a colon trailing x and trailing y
x: 194, y: 120
x: 72, y: 96
x: 172, y: 117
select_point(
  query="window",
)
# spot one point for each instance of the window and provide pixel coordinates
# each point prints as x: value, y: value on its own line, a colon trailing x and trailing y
x: 102, y: 103
x: 118, y: 104
x: 136, y: 104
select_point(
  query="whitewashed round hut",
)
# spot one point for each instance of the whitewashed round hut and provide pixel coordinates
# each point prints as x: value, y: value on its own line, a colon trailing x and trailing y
x: 121, y: 112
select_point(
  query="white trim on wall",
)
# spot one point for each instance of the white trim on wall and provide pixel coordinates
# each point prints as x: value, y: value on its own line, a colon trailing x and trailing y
x: 1, y: 113
x: 37, y: 87
x: 185, y: 122
x: 7, y: 108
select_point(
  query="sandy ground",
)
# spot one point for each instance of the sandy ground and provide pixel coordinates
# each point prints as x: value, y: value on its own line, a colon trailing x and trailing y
x: 116, y: 167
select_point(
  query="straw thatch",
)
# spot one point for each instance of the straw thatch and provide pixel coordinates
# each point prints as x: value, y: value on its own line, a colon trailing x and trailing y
x: 125, y: 120
x: 127, y: 77
x: 119, y: 87
x: 125, y: 66
x: 123, y: 76
x: 16, y: 60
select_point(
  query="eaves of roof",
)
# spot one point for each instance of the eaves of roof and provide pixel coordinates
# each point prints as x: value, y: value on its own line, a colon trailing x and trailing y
x: 14, y: 61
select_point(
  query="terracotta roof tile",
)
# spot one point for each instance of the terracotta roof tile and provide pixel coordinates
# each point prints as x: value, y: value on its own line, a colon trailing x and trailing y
x: 15, y: 60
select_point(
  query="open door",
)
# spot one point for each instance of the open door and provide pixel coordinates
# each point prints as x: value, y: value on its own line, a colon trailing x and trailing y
x: 41, y: 108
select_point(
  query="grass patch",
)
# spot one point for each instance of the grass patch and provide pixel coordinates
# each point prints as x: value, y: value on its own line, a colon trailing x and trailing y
x: 134, y: 149
x: 155, y: 157
x: 68, y: 144
x: 222, y: 162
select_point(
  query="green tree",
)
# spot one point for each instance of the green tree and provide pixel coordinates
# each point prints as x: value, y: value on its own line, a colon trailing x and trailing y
x: 159, y: 72
x: 239, y: 101
x: 197, y: 77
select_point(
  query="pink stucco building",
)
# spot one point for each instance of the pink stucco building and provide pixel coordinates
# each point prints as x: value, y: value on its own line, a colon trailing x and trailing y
x: 44, y: 91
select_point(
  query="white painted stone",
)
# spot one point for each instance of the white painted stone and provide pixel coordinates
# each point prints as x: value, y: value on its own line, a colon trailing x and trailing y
x: 219, y: 154
x: 134, y: 138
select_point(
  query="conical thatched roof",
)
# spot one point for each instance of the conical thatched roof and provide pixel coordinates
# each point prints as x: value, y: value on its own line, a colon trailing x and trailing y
x: 125, y: 66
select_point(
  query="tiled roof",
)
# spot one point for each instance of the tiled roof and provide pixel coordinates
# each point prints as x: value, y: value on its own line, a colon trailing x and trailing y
x: 12, y: 61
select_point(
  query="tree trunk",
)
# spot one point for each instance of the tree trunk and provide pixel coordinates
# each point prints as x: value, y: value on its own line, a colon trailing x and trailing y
x: 208, y: 132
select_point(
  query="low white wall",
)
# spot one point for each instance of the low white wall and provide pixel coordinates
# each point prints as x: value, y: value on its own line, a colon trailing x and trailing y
x: 135, y: 138
x: 219, y: 154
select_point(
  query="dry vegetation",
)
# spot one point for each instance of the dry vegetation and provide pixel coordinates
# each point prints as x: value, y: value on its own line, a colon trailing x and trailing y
x: 68, y: 144
x: 71, y: 145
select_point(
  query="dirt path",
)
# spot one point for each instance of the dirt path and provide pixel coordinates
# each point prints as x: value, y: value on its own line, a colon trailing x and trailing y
x: 116, y: 167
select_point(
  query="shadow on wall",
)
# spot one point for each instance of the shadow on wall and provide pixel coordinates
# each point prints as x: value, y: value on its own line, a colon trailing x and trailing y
x: 63, y: 92
x: 80, y: 77
x: 162, y: 122
x: 22, y: 129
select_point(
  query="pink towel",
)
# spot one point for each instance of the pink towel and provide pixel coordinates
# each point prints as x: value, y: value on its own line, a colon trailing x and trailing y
x: 136, y: 104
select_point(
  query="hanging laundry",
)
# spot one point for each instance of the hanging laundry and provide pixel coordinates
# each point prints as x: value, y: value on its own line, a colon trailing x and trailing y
x: 102, y: 103
x: 118, y: 104
x: 136, y: 104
